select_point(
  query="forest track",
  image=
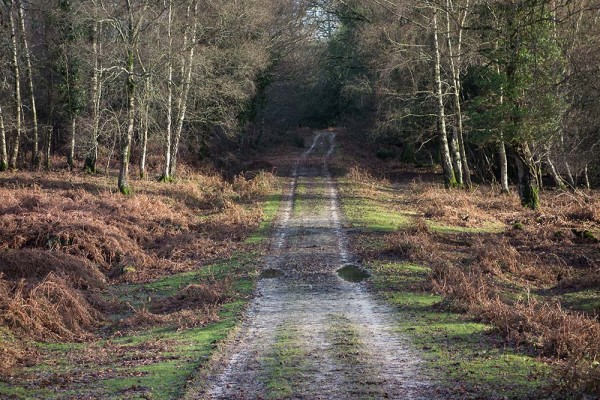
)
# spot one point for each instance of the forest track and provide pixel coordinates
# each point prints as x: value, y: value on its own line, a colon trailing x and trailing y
x: 308, y: 333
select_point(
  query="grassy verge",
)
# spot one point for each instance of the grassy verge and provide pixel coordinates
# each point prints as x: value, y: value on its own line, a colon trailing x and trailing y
x: 468, y: 359
x: 154, y: 362
x: 270, y: 207
x: 138, y: 354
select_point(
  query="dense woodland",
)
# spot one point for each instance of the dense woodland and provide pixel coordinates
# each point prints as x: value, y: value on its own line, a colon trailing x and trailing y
x: 490, y: 90
x: 146, y: 148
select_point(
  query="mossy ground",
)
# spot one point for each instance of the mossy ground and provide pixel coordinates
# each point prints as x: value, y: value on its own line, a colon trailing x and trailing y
x: 467, y: 356
x: 146, y: 363
x: 288, y: 364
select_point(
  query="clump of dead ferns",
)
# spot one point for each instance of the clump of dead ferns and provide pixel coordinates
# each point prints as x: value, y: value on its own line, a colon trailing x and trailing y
x: 63, y: 243
x: 571, y: 338
x: 527, y: 249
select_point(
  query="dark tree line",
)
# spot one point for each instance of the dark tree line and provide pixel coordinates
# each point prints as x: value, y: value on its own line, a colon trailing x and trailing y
x: 497, y: 90
x: 102, y: 79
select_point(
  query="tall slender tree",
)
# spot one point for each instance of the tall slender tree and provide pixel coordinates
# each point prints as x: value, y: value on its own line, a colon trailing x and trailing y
x: 449, y: 172
x: 35, y: 159
x: 16, y: 143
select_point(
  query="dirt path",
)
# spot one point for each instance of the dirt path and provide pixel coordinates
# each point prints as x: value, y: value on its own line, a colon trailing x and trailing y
x: 309, y: 333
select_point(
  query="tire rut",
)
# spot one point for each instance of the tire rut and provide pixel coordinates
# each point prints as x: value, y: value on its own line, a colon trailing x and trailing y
x: 344, y: 344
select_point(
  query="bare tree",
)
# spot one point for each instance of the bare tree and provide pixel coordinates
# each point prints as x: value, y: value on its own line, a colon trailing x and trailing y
x: 449, y: 173
x: 35, y: 159
x: 17, y: 87
x: 3, y: 149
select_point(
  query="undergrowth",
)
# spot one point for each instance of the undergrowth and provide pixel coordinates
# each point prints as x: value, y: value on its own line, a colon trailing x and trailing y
x: 66, y: 240
x: 496, y: 262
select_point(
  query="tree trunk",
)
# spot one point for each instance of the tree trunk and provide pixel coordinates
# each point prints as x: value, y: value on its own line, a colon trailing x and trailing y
x: 449, y: 177
x: 3, y: 149
x: 182, y: 102
x: 529, y: 189
x: 558, y: 181
x: 169, y: 134
x: 464, y: 173
x: 504, y: 189
x: 144, y: 118
x: 124, y: 187
x: 91, y: 159
x: 456, y: 157
x: 18, y: 103
x: 125, y: 155
x: 570, y: 175
x: 503, y: 168
x: 71, y: 156
x: 48, y: 148
x: 35, y: 158
x: 586, y: 176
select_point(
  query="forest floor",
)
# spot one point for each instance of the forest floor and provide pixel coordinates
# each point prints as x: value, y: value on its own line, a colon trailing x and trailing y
x: 343, y: 277
x: 105, y: 296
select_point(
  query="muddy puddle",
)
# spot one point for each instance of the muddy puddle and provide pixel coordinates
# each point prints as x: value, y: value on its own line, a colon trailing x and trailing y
x: 271, y: 273
x: 352, y: 273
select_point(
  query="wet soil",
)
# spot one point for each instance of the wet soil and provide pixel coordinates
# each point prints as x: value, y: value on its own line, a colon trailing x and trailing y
x: 344, y: 343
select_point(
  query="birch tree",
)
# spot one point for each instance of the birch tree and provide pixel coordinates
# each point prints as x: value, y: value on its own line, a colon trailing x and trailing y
x: 3, y: 148
x: 455, y: 57
x: 17, y: 88
x: 447, y: 165
x: 187, y: 70
x: 35, y: 159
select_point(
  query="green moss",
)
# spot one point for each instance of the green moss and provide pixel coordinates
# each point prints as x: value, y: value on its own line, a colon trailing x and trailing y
x: 374, y: 212
x: 590, y: 236
x: 465, y: 352
x: 347, y: 347
x: 286, y: 365
x: 89, y: 165
x: 530, y: 197
x: 518, y: 226
x: 166, y: 179
x: 155, y: 362
x: 486, y: 228
x: 125, y: 190
x: 270, y: 208
x: 348, y: 350
x: 3, y: 166
x: 16, y: 392
x: 587, y: 300
x: 467, y: 357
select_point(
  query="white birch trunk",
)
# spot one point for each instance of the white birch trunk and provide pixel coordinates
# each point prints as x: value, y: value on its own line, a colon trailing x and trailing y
x: 570, y: 175
x: 96, y: 96
x: 449, y: 177
x: 182, y: 102
x: 17, y: 75
x: 125, y: 155
x: 144, y: 118
x: 169, y: 134
x: 503, y: 167
x: 587, y: 178
x: 504, y: 188
x: 35, y: 158
x: 558, y: 181
x: 465, y: 171
x: 3, y: 149
x: 72, y: 144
